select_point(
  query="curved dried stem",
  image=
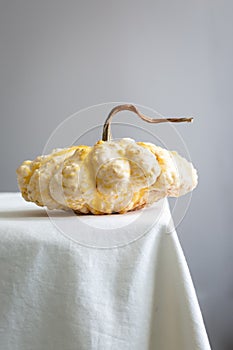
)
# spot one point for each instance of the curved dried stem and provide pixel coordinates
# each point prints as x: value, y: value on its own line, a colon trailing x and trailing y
x: 106, y: 136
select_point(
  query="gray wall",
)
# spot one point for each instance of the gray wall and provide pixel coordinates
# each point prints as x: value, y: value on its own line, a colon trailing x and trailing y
x: 174, y: 56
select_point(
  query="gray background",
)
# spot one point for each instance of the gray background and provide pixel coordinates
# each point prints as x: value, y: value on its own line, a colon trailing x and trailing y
x: 173, y: 56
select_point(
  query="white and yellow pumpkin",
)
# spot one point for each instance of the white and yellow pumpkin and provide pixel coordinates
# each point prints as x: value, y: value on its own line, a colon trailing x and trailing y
x: 113, y: 176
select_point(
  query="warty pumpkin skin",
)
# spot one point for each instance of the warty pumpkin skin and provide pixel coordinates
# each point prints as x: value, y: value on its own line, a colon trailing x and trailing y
x: 113, y: 176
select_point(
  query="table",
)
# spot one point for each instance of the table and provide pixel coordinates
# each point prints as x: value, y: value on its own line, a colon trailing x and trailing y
x: 116, y: 282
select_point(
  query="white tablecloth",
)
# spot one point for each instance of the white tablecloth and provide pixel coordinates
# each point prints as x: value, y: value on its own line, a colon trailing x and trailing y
x: 129, y: 290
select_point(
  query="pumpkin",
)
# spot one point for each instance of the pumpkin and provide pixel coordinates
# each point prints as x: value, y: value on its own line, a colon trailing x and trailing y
x: 113, y: 176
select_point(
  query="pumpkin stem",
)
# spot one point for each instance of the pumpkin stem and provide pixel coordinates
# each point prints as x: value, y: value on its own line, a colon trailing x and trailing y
x: 106, y: 136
